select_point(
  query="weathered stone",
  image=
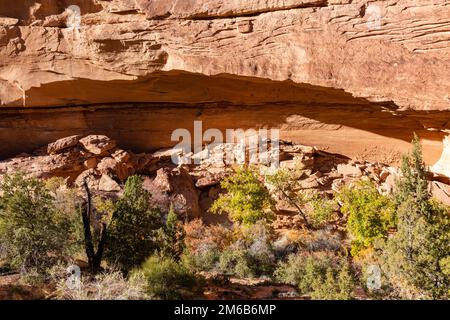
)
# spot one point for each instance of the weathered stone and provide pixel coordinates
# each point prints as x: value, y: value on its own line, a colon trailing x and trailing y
x: 63, y: 144
x: 98, y: 144
x: 441, y: 192
x: 289, y: 52
x: 91, y: 176
x: 107, y: 166
x: 443, y: 165
x: 384, y: 175
x: 91, y: 163
x: 288, y: 164
x: 167, y: 154
x: 309, y: 183
x: 162, y: 180
x: 107, y: 184
x: 337, y: 185
x: 208, y: 181
x: 121, y: 156
x: 349, y: 170
x: 174, y: 187
x: 316, y: 37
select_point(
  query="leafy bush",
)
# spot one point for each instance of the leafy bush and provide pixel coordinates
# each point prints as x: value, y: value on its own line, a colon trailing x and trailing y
x: 370, y: 214
x: 204, y: 244
x: 258, y: 241
x: 321, y: 275
x: 247, y: 253
x: 133, y: 231
x: 35, y: 233
x: 286, y: 184
x: 323, y: 210
x: 206, y: 258
x: 335, y: 285
x: 167, y: 279
x: 250, y: 255
x: 234, y: 260
x: 247, y: 201
x: 198, y: 235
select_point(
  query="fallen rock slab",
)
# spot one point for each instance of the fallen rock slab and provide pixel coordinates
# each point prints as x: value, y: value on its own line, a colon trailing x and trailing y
x: 98, y: 144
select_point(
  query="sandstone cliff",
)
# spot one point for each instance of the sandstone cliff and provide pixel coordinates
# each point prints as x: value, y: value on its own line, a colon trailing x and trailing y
x: 334, y: 73
x: 394, y: 50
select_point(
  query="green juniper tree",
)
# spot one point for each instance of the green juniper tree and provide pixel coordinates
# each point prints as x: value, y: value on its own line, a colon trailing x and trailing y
x: 133, y: 232
x: 413, y: 257
x: 171, y: 236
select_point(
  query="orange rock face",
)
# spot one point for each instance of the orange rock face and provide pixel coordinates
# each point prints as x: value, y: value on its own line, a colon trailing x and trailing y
x: 292, y: 56
x: 384, y: 50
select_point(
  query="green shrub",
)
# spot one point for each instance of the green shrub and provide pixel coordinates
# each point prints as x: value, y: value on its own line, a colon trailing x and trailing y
x: 204, y: 243
x: 132, y: 234
x: 247, y: 201
x: 258, y: 241
x: 320, y: 275
x: 286, y: 184
x: 323, y: 210
x: 34, y: 232
x: 250, y: 255
x: 234, y: 260
x: 370, y: 214
x: 167, y: 279
x: 206, y: 258
x: 335, y: 285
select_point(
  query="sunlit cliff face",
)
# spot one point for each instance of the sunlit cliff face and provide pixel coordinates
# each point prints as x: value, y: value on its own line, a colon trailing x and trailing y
x: 352, y: 77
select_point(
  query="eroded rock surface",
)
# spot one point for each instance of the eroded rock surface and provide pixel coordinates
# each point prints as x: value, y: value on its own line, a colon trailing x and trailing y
x: 192, y: 188
x: 394, y: 50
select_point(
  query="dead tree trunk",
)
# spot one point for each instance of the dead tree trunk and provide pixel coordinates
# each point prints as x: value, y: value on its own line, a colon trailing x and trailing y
x: 94, y: 257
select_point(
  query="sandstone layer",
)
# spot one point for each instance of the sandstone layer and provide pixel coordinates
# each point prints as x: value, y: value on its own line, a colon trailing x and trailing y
x: 322, y: 70
x: 394, y: 50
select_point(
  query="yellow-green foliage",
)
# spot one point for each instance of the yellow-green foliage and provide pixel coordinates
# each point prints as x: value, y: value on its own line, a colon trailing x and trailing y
x: 369, y: 213
x: 247, y: 201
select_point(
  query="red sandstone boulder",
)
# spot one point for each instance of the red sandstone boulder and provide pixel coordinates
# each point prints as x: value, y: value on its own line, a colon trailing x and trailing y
x: 63, y: 144
x: 175, y: 187
x: 98, y: 144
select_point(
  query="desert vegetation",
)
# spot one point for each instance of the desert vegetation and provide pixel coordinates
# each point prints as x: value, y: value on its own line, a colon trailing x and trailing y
x: 127, y: 248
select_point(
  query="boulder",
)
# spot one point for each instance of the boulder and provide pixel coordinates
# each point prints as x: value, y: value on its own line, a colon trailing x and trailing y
x: 91, y: 163
x: 98, y: 144
x: 91, y: 176
x: 288, y: 164
x: 63, y: 144
x: 121, y: 156
x: 175, y: 187
x: 107, y: 184
x: 441, y: 192
x: 208, y: 180
x: 162, y: 180
x: 107, y: 166
x: 349, y: 170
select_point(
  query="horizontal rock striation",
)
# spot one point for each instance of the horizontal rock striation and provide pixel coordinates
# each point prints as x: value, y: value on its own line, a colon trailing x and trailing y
x: 394, y: 50
x: 356, y: 77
